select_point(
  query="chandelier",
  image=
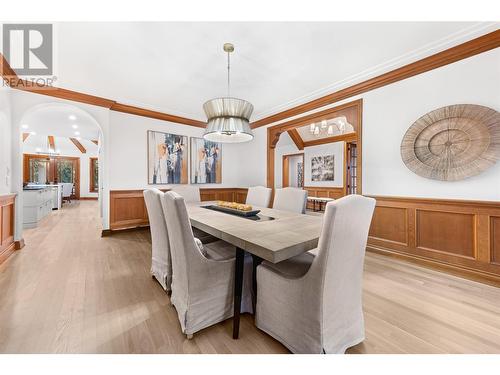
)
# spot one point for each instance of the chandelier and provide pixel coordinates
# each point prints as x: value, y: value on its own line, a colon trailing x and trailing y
x: 329, y: 126
x: 228, y: 118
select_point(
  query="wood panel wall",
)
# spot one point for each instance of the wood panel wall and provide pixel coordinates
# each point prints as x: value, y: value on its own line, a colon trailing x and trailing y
x: 323, y: 192
x: 128, y: 210
x: 462, y: 236
x: 7, y: 210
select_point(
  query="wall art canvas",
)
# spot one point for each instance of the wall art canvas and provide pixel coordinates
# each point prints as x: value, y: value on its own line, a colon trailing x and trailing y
x: 322, y: 168
x: 167, y: 158
x: 206, y: 161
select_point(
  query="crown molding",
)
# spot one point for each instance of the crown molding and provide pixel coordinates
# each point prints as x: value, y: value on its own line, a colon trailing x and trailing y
x: 12, y: 79
x: 458, y: 52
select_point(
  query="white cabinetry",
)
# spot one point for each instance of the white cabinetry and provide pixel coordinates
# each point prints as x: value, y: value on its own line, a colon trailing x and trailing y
x: 37, y: 203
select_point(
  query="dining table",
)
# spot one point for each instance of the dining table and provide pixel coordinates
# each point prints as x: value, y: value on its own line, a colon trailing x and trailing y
x: 271, y: 235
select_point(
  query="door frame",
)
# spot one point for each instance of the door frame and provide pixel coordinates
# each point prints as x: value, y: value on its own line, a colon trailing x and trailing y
x: 286, y: 169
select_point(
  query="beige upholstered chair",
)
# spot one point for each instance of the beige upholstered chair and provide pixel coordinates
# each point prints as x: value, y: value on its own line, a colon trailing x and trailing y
x: 290, y: 199
x: 312, y: 303
x: 190, y: 193
x: 203, y: 275
x: 259, y: 196
x: 161, y: 264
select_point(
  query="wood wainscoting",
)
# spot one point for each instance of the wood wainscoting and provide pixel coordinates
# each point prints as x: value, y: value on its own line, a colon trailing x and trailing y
x: 323, y: 192
x: 7, y: 211
x: 128, y: 210
x: 458, y: 236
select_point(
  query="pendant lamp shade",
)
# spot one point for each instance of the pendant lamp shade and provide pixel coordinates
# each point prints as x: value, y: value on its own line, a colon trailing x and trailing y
x: 228, y: 120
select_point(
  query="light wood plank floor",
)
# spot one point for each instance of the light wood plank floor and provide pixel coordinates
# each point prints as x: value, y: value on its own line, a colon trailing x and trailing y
x: 71, y: 291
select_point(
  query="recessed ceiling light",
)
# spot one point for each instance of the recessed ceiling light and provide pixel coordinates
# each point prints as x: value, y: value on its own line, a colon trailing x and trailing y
x: 33, y: 133
x: 77, y: 133
x: 72, y: 117
x: 74, y: 126
x: 24, y: 126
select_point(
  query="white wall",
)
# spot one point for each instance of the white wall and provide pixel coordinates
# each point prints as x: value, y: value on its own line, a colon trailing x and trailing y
x: 337, y: 150
x: 389, y: 111
x: 128, y: 151
x: 5, y: 142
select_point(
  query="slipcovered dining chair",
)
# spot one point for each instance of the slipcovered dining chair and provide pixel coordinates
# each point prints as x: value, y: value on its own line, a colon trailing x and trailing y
x: 203, y: 275
x: 259, y: 196
x: 161, y: 264
x: 290, y: 199
x: 313, y: 303
x: 190, y: 193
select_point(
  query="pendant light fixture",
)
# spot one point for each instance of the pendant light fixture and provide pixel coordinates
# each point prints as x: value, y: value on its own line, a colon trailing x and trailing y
x: 228, y: 118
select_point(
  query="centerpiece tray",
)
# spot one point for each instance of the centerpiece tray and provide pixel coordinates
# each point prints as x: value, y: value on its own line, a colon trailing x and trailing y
x: 232, y: 211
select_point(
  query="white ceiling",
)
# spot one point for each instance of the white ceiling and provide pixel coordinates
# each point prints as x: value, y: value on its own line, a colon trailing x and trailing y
x: 54, y: 119
x: 176, y: 67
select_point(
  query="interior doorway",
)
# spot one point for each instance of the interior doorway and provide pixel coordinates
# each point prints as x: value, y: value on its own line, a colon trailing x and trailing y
x: 293, y: 170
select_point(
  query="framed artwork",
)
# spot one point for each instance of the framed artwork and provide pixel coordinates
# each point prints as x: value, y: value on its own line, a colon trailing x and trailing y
x: 206, y: 161
x: 322, y: 168
x: 167, y: 158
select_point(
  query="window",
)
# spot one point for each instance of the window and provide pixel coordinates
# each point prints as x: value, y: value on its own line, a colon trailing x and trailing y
x: 65, y: 171
x: 94, y: 175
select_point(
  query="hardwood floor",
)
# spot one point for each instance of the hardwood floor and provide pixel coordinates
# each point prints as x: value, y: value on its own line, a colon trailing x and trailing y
x: 71, y: 291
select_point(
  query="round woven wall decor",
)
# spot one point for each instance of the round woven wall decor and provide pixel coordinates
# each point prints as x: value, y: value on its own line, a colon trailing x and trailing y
x: 453, y: 143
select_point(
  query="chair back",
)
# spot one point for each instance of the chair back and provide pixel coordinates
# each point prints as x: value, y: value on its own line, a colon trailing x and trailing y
x: 159, y: 234
x: 259, y: 196
x: 290, y: 199
x: 190, y: 193
x: 183, y: 249
x: 67, y: 189
x: 338, y: 266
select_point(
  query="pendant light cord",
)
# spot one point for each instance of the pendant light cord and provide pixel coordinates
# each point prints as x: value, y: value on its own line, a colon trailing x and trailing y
x: 228, y: 75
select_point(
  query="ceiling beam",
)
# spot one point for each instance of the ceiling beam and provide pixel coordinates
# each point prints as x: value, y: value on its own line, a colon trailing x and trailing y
x: 95, y: 141
x: 350, y: 137
x: 296, y: 138
x: 78, y: 145
x: 473, y: 47
x: 52, y: 143
x: 25, y: 136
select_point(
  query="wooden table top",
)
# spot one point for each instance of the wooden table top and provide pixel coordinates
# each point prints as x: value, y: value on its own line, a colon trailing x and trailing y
x: 289, y: 235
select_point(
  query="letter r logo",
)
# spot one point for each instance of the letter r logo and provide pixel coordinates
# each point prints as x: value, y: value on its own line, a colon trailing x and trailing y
x: 28, y: 48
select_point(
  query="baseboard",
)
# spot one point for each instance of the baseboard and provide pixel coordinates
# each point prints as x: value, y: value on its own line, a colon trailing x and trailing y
x: 466, y: 273
x: 88, y: 198
x: 7, y: 252
x: 19, y: 244
x: 109, y: 232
